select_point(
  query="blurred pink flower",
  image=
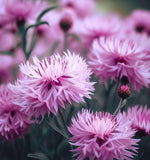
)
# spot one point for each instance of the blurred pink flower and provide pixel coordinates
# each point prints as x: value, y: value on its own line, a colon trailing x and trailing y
x: 140, y: 118
x: 77, y: 5
x: 115, y: 57
x: 7, y: 40
x: 49, y: 83
x: 101, y: 136
x: 95, y: 26
x: 102, y: 25
x: 7, y: 63
x: 13, y: 122
x: 22, y: 10
x: 138, y: 21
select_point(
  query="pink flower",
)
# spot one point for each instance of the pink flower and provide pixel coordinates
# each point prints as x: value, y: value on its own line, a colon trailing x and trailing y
x: 49, y: 83
x: 77, y: 5
x: 138, y: 22
x: 101, y: 136
x: 7, y: 40
x: 95, y: 26
x: 7, y: 62
x: 22, y: 10
x: 140, y: 117
x: 115, y: 57
x: 102, y: 25
x: 13, y: 122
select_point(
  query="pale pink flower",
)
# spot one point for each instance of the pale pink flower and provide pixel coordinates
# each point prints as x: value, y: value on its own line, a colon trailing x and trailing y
x: 102, y: 25
x: 49, y: 83
x: 95, y: 26
x: 140, y: 118
x: 13, y: 122
x: 77, y: 5
x: 101, y: 136
x: 115, y: 57
x: 7, y: 40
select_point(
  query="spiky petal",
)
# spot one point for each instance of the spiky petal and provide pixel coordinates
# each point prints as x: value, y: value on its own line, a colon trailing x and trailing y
x: 48, y: 84
x: 99, y: 135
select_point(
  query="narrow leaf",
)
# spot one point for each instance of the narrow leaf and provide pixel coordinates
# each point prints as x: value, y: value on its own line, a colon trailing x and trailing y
x: 25, y: 34
x: 44, y: 12
x: 40, y: 156
x: 57, y: 129
x: 55, y: 45
x: 6, y: 52
x: 74, y: 36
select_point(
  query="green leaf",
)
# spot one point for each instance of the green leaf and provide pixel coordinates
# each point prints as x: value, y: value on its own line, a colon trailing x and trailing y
x: 44, y: 12
x: 6, y: 52
x: 74, y: 36
x: 57, y: 129
x: 55, y: 45
x: 33, y: 43
x: 25, y: 34
x: 40, y: 156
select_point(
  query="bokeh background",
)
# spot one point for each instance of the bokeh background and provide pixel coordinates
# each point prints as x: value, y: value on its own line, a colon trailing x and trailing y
x: 123, y: 6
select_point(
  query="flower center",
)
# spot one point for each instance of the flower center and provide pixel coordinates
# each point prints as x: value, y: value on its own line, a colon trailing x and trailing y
x: 120, y: 60
x: 69, y: 4
x: 10, y: 118
x: 139, y: 28
x: 12, y: 113
x: 100, y: 141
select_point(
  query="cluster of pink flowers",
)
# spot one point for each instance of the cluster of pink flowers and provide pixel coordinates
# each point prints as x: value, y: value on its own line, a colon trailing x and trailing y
x: 43, y: 88
x: 46, y: 82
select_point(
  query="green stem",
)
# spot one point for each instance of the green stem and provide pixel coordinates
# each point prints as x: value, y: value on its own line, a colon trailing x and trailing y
x: 121, y: 104
x: 17, y: 150
x: 65, y: 41
x: 108, y: 89
x: 63, y: 121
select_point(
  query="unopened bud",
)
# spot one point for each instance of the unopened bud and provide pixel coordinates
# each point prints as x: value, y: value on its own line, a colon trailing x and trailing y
x: 124, y: 92
x: 67, y: 19
x: 65, y: 24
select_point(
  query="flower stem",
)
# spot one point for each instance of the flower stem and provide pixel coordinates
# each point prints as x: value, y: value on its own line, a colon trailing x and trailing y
x: 63, y: 121
x: 121, y: 104
x: 65, y: 41
x: 17, y: 150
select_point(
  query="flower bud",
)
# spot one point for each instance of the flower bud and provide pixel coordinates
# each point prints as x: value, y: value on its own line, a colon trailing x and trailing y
x: 124, y: 92
x: 66, y: 20
x: 65, y: 24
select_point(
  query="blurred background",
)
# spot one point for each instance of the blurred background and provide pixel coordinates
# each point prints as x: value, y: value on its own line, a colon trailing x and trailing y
x: 123, y: 6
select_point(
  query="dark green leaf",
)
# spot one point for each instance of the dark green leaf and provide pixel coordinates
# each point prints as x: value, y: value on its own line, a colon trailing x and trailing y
x: 6, y: 52
x: 25, y: 34
x: 57, y: 129
x: 40, y: 156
